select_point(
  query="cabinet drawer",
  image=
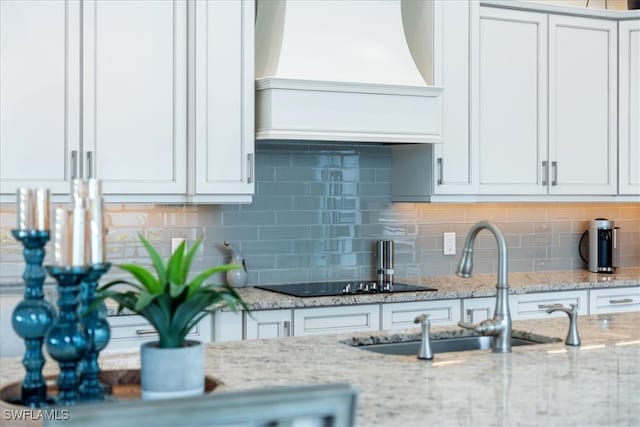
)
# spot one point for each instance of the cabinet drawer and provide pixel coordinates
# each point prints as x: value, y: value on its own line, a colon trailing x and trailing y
x: 268, y: 324
x: 327, y: 320
x: 531, y: 306
x: 402, y: 315
x: 614, y: 300
x: 129, y: 332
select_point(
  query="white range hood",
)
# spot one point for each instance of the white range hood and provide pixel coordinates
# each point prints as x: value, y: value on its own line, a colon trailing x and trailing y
x: 341, y: 71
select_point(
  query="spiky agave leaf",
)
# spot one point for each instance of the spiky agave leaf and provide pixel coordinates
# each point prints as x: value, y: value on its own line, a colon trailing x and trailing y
x: 170, y: 304
x: 158, y: 264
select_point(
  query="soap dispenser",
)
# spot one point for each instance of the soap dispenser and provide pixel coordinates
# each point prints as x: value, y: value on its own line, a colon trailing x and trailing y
x: 237, y: 278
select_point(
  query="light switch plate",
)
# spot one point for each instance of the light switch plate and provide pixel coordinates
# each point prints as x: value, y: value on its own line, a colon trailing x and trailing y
x: 449, y: 243
x: 175, y: 242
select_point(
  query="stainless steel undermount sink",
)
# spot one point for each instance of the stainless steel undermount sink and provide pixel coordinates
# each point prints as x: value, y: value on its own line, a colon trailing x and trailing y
x: 444, y: 345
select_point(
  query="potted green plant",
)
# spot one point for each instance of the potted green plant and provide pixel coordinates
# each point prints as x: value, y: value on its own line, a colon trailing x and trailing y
x: 172, y: 366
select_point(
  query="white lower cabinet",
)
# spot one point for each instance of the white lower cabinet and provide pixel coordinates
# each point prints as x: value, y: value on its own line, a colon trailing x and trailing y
x: 268, y: 324
x: 533, y: 306
x: 401, y: 315
x: 129, y: 332
x: 327, y: 320
x: 235, y: 326
x: 475, y: 310
x: 227, y: 326
x: 615, y: 300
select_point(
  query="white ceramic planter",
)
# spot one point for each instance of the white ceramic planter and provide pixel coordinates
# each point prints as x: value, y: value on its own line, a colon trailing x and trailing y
x: 171, y: 372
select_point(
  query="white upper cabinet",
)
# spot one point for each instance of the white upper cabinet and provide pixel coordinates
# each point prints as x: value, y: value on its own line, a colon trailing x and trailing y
x: 39, y: 94
x: 224, y: 91
x: 521, y: 84
x: 512, y: 101
x: 453, y: 160
x: 134, y: 91
x: 582, y: 105
x: 530, y: 106
x: 629, y: 112
x: 131, y: 92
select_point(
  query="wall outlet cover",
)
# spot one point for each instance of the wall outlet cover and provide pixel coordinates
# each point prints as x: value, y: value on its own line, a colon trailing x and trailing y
x: 175, y: 242
x: 449, y: 243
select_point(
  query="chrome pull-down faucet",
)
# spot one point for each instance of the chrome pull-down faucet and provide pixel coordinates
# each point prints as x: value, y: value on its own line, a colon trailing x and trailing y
x: 500, y: 326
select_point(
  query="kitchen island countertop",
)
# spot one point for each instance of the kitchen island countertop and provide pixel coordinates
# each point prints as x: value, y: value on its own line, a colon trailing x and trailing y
x: 597, y: 384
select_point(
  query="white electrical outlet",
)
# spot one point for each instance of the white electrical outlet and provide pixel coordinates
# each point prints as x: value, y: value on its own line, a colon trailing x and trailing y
x: 175, y: 242
x: 449, y: 243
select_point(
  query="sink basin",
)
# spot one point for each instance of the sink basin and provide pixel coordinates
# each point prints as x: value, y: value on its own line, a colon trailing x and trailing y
x: 445, y: 345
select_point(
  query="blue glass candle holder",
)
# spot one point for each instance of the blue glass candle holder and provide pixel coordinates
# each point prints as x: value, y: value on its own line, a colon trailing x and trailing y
x: 98, y: 334
x: 67, y: 340
x: 33, y: 317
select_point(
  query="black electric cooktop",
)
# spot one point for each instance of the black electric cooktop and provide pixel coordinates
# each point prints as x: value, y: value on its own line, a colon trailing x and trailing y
x: 320, y: 289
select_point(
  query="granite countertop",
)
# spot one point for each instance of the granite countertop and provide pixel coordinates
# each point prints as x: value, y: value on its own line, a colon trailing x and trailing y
x: 449, y: 287
x: 453, y: 287
x: 547, y: 384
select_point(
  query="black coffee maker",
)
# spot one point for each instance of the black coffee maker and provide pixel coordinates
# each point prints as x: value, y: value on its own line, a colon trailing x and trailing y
x: 603, y: 246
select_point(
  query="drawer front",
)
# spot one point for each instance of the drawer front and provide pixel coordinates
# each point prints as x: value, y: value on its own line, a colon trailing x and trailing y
x: 129, y: 332
x: 475, y: 310
x: 328, y: 320
x: 268, y: 324
x: 531, y: 306
x: 402, y: 315
x: 615, y: 300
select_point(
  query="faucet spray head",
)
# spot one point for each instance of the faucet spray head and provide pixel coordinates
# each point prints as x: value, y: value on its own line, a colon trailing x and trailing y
x: 465, y: 266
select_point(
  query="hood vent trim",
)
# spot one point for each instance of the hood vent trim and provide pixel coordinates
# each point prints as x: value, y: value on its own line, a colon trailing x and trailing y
x: 295, y: 107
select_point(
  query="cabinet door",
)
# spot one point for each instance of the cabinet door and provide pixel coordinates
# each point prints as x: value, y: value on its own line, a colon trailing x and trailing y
x: 135, y: 95
x: 402, y: 314
x: 582, y: 105
x: 512, y: 99
x: 614, y: 300
x: 227, y: 326
x: 268, y: 324
x: 224, y: 92
x: 328, y: 320
x: 629, y: 112
x: 39, y: 94
x: 475, y: 310
x: 453, y: 161
x: 532, y: 306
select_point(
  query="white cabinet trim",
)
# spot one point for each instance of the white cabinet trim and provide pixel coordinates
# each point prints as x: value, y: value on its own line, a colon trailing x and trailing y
x: 315, y: 321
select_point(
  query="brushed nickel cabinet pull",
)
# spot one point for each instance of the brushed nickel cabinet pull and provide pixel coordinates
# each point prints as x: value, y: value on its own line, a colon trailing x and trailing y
x: 543, y: 306
x: 146, y: 332
x: 286, y: 328
x: 554, y: 169
x: 621, y: 301
x: 74, y: 164
x: 90, y: 164
x: 250, y: 168
x: 545, y: 172
x: 440, y: 170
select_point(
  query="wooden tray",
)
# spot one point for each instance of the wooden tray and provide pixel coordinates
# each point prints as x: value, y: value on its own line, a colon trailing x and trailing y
x: 124, y: 383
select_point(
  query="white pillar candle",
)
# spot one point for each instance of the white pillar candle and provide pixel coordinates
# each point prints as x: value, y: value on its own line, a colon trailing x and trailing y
x: 79, y: 237
x: 94, y: 188
x: 79, y: 192
x: 96, y: 222
x: 24, y: 209
x: 61, y: 237
x: 41, y: 212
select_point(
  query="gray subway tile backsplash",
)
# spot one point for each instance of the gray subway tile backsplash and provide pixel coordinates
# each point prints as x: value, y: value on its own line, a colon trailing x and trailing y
x: 319, y: 208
